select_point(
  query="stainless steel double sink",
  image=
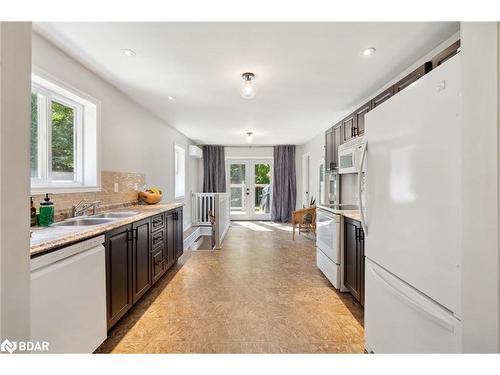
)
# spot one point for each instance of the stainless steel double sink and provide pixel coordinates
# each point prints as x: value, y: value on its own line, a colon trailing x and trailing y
x: 99, y: 219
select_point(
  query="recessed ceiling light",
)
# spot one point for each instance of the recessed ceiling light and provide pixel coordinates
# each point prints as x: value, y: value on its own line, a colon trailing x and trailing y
x: 368, y: 51
x: 128, y: 52
x: 170, y: 98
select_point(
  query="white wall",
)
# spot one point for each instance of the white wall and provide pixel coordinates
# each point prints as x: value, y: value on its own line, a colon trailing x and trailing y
x: 132, y: 138
x: 15, y: 82
x: 316, y: 150
x: 480, y: 252
x: 316, y: 145
x: 249, y: 152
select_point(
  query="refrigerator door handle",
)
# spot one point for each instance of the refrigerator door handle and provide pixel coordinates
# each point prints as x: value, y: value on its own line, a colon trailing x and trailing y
x: 416, y: 306
x: 360, y: 176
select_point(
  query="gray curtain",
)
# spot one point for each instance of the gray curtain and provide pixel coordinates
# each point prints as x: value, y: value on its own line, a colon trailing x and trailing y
x: 214, y: 169
x: 284, y: 184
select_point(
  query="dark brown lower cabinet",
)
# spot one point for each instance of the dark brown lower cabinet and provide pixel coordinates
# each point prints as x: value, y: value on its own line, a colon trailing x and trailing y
x: 179, y: 233
x: 141, y: 262
x: 118, y: 273
x: 170, y: 245
x: 137, y: 256
x: 158, y: 266
x: 354, y: 259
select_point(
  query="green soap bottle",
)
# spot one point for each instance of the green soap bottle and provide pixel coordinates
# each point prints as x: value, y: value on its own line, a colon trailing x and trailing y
x: 46, y: 213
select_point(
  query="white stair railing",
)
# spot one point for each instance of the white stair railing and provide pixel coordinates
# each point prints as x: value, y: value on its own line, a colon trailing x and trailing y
x: 202, y: 204
x: 217, y: 203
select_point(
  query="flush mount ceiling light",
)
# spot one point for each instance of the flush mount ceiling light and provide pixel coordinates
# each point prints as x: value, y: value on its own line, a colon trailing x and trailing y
x: 368, y: 52
x: 249, y: 136
x: 248, y: 88
x: 128, y: 52
x: 170, y: 98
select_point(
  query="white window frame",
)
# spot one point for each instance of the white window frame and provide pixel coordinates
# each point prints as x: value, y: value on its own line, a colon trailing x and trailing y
x: 179, y: 148
x: 87, y: 166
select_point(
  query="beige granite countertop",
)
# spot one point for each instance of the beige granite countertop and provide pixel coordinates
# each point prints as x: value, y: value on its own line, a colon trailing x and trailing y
x: 47, y: 238
x: 352, y: 214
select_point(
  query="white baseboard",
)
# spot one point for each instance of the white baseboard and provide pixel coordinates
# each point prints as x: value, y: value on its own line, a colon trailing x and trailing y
x: 190, y: 240
x: 205, y: 230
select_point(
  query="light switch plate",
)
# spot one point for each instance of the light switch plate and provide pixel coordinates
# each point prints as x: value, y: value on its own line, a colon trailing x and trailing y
x: 116, y: 187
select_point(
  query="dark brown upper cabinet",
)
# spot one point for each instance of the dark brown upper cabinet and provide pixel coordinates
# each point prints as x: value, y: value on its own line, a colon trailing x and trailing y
x: 359, y: 115
x: 445, y: 55
x: 329, y: 140
x: 349, y: 127
x: 382, y: 97
x: 412, y: 77
x: 337, y: 141
x: 333, y: 139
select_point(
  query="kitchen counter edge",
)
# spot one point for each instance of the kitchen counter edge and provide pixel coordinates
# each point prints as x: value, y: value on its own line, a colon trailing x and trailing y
x: 83, y: 234
x: 351, y: 214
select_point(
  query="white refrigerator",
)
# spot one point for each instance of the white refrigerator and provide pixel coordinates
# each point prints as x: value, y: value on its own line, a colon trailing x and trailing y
x: 412, y: 217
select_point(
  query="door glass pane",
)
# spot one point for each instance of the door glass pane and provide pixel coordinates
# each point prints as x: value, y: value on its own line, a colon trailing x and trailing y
x: 346, y: 161
x: 262, y: 188
x: 237, y: 187
x: 63, y: 142
x: 34, y: 136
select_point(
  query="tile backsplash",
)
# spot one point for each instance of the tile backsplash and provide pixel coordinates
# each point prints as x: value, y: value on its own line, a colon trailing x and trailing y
x: 127, y: 194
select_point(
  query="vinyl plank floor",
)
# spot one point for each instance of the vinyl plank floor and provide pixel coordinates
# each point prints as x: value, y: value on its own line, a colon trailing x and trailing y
x: 261, y: 293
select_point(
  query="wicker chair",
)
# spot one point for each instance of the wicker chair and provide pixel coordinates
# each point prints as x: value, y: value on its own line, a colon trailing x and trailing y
x: 305, y: 218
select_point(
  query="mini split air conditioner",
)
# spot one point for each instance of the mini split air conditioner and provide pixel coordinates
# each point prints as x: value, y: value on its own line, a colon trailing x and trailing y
x: 195, y: 152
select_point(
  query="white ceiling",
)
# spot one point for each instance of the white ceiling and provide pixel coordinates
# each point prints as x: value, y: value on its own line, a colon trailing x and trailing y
x: 307, y: 73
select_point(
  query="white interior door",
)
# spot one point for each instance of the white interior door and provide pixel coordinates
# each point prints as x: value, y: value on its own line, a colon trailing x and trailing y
x: 250, y: 186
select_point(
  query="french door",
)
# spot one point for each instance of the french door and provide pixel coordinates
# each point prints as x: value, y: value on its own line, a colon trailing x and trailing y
x: 250, y: 186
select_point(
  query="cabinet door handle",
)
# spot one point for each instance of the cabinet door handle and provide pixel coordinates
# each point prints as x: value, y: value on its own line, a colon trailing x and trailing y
x: 356, y: 233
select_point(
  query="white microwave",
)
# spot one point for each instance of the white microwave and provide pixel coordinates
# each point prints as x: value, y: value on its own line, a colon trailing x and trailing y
x: 349, y: 156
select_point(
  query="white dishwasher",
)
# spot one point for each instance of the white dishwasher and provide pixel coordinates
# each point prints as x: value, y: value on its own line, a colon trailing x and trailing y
x: 68, y: 297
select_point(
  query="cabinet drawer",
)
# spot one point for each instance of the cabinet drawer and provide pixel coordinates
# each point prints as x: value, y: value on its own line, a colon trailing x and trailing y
x: 158, y: 221
x: 158, y: 265
x: 157, y: 239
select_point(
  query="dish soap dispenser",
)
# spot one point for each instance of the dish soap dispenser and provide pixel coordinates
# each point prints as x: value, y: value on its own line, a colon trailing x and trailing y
x: 32, y: 213
x: 46, y: 215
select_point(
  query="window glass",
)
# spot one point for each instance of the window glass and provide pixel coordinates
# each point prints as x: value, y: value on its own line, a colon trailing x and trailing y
x: 63, y: 142
x: 262, y: 188
x: 64, y: 147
